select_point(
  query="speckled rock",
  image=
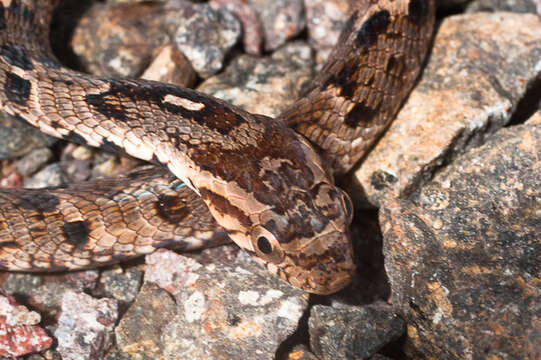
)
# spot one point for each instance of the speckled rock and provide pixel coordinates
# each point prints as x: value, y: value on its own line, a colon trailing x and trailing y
x: 170, y: 66
x: 479, y: 68
x: 85, y: 327
x: 50, y: 176
x: 463, y: 259
x: 33, y: 161
x: 205, y: 36
x: 17, y: 138
x: 324, y: 20
x: 282, y: 20
x: 117, y: 40
x: 225, y: 311
x: 264, y: 85
x: 19, y: 333
x: 252, y: 28
x: 121, y: 285
x: 352, y: 332
x: 138, y: 333
x: 535, y: 119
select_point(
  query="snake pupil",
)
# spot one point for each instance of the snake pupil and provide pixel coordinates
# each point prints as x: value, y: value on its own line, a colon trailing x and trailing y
x: 264, y: 245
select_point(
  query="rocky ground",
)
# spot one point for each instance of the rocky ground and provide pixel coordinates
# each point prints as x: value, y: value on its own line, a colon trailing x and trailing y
x: 448, y: 209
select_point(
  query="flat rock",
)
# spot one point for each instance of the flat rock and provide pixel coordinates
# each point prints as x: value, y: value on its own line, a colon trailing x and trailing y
x: 463, y: 257
x: 264, y: 85
x: 352, y: 332
x: 226, y: 311
x: 18, y: 138
x: 480, y: 67
x: 85, y: 326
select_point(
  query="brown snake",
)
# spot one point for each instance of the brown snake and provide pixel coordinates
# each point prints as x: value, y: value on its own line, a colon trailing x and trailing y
x: 266, y: 186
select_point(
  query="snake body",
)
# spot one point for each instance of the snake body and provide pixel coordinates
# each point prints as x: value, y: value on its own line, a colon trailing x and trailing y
x: 264, y: 184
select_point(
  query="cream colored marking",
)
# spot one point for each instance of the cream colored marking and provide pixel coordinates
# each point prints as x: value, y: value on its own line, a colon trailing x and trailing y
x: 185, y: 103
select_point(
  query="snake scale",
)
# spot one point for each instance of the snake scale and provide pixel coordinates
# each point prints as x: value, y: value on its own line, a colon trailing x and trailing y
x: 265, y: 183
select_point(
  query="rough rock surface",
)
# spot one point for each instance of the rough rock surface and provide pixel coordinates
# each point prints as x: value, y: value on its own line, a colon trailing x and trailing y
x: 352, y: 332
x: 238, y: 305
x: 264, y: 85
x: 85, y: 326
x: 479, y: 68
x: 463, y: 259
x: 170, y: 66
x: 17, y: 138
x: 19, y: 333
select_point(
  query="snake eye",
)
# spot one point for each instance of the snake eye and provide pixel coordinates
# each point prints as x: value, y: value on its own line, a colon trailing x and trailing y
x: 266, y: 246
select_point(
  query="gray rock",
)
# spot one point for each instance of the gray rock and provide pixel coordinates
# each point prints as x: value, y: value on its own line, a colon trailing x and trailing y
x: 352, y: 332
x: 264, y: 85
x: 18, y: 138
x: 85, y: 327
x: 463, y: 258
x: 121, y: 285
x: 480, y: 67
x: 519, y: 6
x: 33, y: 161
x: 238, y: 305
x: 49, y: 176
x: 206, y: 36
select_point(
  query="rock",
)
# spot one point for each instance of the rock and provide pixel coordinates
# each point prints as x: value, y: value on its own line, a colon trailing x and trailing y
x: 301, y: 352
x: 352, y: 332
x: 121, y: 285
x: 33, y: 161
x: 171, y: 66
x: 463, y: 257
x: 535, y: 119
x: 50, y: 176
x: 18, y: 138
x: 19, y: 333
x: 206, y: 36
x: 242, y: 306
x: 138, y: 333
x: 324, y: 20
x: 252, y: 28
x: 282, y: 20
x: 117, y: 40
x: 85, y: 327
x: 480, y: 67
x: 264, y: 85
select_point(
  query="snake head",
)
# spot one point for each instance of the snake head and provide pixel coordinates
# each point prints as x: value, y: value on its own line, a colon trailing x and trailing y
x: 279, y: 205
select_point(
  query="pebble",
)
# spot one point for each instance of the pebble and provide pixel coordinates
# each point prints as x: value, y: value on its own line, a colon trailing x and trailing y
x: 50, y: 176
x: 170, y: 66
x: 85, y: 326
x: 18, y: 138
x: 33, y: 161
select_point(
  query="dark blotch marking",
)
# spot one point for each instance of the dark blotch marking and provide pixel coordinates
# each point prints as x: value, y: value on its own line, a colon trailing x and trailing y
x: 214, y: 115
x: 375, y: 25
x: 345, y: 79
x: 418, y: 11
x: 395, y: 65
x: 17, y: 89
x: 76, y: 232
x: 2, y: 17
x: 76, y: 138
x: 112, y: 147
x: 224, y: 207
x: 264, y: 245
x: 233, y: 319
x: 9, y: 244
x: 360, y: 115
x: 171, y: 208
x: 37, y: 201
x: 16, y: 55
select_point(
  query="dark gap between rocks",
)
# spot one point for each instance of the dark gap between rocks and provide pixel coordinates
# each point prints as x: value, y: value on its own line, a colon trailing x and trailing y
x: 528, y: 105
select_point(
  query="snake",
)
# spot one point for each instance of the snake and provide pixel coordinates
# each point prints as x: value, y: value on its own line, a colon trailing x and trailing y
x: 219, y: 172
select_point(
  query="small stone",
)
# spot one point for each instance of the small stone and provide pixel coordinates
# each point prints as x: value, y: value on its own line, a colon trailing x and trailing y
x: 33, y: 161
x: 518, y: 6
x: 470, y: 287
x: 170, y: 66
x: 352, y: 332
x: 282, y: 20
x: 85, y: 327
x: 252, y: 28
x: 138, y: 333
x: 481, y: 65
x: 123, y: 286
x: 205, y: 36
x: 18, y: 138
x: 52, y: 175
x: 82, y: 152
x: 264, y: 85
x: 301, y: 352
x: 19, y: 333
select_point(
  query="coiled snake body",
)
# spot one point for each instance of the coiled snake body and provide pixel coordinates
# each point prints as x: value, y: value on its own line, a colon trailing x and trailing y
x: 260, y: 178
